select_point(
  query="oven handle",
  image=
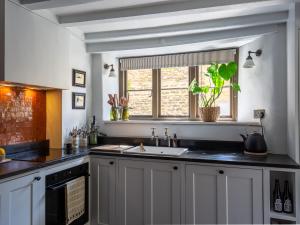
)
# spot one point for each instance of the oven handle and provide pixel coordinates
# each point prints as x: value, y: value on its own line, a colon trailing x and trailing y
x: 54, y: 188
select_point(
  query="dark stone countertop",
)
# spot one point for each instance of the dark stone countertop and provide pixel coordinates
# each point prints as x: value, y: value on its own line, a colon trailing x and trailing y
x: 217, y: 157
x: 13, y: 168
x: 54, y: 156
x: 204, y: 151
x: 226, y: 153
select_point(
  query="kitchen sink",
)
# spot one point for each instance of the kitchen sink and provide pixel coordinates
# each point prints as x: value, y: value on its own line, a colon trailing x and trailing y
x: 152, y: 150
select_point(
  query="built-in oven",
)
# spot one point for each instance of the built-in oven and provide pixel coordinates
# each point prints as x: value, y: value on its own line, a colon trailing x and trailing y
x: 56, y: 206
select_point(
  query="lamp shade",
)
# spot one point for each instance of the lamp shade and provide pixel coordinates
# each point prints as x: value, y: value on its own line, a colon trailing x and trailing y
x: 249, y: 62
x: 112, y: 73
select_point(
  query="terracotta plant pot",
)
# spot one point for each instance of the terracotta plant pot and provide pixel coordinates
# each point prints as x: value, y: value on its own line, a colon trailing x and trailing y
x: 209, y: 114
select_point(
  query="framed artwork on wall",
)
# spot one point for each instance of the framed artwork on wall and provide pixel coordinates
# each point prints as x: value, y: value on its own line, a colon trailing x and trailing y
x: 78, y: 100
x: 79, y: 78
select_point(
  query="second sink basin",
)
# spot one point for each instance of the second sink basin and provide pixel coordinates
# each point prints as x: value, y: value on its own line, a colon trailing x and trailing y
x: 152, y: 150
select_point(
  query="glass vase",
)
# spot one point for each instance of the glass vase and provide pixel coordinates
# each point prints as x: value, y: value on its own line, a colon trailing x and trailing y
x: 125, y: 114
x: 114, y: 114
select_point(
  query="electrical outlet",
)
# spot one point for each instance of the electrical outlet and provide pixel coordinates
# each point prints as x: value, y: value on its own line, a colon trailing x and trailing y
x: 259, y: 113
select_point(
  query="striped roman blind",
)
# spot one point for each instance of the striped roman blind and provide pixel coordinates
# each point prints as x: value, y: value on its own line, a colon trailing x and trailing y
x: 177, y: 60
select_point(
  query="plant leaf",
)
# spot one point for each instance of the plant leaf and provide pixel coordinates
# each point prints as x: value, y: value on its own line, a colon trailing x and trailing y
x: 216, y: 90
x: 236, y: 87
x: 205, y: 89
x: 196, y: 89
x: 213, y: 68
x: 227, y: 71
x: 218, y: 81
x: 232, y: 68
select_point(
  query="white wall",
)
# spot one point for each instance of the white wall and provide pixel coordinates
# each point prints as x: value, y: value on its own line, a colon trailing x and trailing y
x: 297, y: 50
x: 265, y: 87
x: 194, y: 131
x: 102, y: 85
x: 80, y: 60
x: 293, y: 86
x: 97, y: 100
x: 262, y: 87
x: 110, y: 85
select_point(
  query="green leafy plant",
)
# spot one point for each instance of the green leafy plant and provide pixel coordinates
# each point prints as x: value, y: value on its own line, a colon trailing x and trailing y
x: 218, y: 74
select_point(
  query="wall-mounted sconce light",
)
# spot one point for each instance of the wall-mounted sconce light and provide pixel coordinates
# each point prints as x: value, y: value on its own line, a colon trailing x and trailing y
x: 112, y: 72
x: 249, y: 60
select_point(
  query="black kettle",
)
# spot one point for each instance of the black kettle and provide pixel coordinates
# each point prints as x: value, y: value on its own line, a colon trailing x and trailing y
x: 255, y: 144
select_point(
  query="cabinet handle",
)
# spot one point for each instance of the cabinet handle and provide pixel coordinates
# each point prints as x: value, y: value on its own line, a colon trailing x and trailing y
x: 111, y: 163
x: 175, y: 168
x: 37, y: 178
x: 221, y: 171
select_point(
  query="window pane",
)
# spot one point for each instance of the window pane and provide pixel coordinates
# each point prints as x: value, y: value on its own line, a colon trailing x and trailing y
x: 224, y: 100
x: 175, y: 102
x: 203, y: 80
x: 139, y: 79
x: 140, y: 103
x: 176, y: 77
x: 139, y: 86
x: 174, y: 91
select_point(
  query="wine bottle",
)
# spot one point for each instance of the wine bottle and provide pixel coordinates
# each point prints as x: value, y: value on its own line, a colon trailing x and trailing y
x: 287, y: 199
x: 277, y: 200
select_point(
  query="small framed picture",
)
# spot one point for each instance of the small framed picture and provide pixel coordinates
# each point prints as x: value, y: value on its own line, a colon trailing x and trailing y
x: 78, y: 100
x: 79, y: 78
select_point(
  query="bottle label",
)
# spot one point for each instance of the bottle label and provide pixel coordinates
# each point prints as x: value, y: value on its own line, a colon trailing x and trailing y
x: 287, y: 206
x: 278, y: 205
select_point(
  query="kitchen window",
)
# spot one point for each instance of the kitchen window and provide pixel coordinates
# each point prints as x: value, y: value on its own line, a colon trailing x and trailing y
x: 157, y: 86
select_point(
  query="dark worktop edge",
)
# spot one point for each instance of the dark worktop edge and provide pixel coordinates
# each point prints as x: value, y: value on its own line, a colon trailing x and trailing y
x: 36, y: 166
x: 197, y: 160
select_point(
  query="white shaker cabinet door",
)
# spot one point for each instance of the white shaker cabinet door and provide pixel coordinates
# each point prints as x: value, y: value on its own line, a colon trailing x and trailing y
x: 243, y: 194
x: 19, y: 201
x: 149, y: 193
x: 221, y: 195
x: 103, y: 191
x: 202, y: 200
x: 132, y: 190
x: 165, y: 194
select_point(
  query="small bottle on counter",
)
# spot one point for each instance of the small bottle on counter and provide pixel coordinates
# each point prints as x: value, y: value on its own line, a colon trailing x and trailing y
x: 93, y: 135
x: 277, y: 200
x: 287, y: 199
x: 175, y: 141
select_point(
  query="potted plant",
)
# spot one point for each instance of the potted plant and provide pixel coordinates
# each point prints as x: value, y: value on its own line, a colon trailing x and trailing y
x: 218, y: 74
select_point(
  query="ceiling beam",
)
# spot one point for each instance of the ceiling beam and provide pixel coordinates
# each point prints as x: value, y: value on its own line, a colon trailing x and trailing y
x: 194, y: 27
x: 180, y: 40
x: 48, y: 4
x: 163, y: 9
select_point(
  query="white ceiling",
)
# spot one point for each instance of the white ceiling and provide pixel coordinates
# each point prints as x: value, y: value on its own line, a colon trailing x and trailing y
x: 50, y: 9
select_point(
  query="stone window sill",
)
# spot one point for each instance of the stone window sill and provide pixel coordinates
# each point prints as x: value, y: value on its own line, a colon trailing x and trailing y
x: 187, y: 122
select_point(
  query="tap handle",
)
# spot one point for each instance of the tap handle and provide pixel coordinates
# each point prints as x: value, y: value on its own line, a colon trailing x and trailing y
x: 153, y: 131
x: 166, y: 131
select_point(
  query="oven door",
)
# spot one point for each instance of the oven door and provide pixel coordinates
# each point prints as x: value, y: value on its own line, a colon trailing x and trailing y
x: 56, y: 207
